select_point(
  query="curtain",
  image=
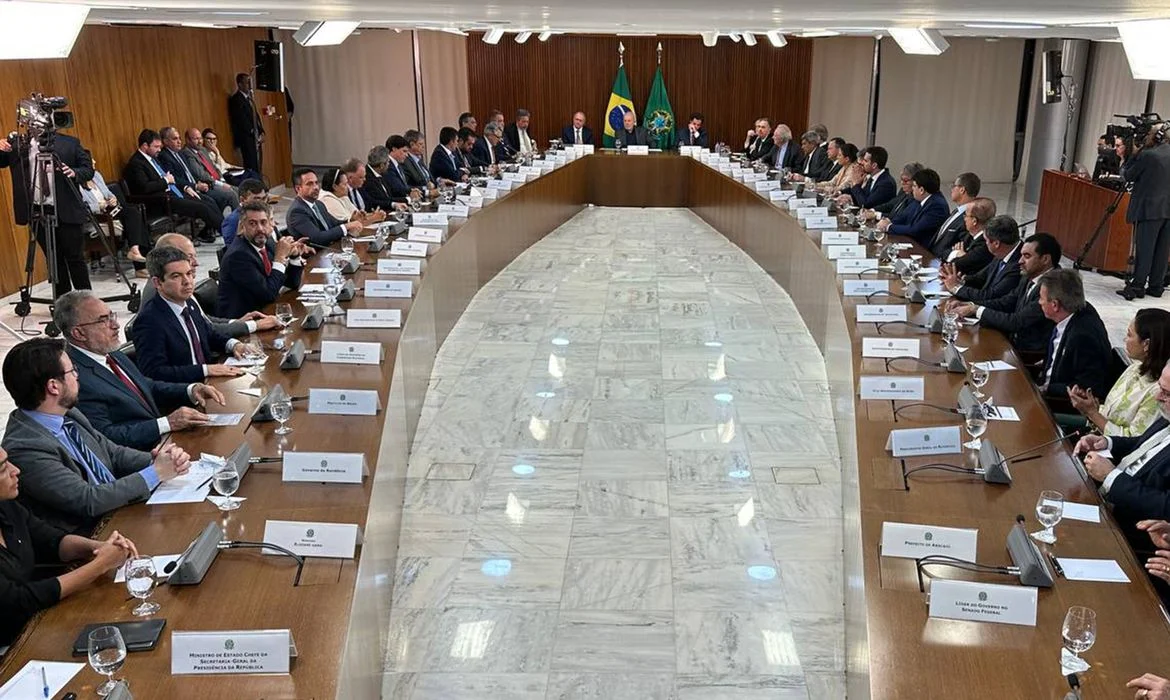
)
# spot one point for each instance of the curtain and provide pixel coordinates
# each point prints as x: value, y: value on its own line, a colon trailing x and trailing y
x: 1110, y: 90
x: 445, y: 93
x: 842, y: 69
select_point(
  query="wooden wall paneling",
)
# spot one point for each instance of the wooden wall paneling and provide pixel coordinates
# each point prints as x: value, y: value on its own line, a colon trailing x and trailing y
x: 731, y: 84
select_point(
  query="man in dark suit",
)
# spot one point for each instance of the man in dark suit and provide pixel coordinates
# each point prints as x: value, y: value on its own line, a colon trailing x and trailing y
x: 145, y: 177
x: 76, y: 167
x: 784, y: 152
x: 464, y: 143
x: 922, y: 219
x: 694, y: 133
x: 195, y: 157
x: 964, y: 190
x: 758, y: 143
x: 247, y: 130
x: 307, y: 218
x: 444, y: 162
x: 255, y: 267
x: 1078, y: 349
x: 1149, y: 212
x: 71, y: 474
x: 631, y: 134
x: 376, y: 191
x: 119, y: 401
x: 414, y: 167
x: 577, y: 132
x: 1017, y: 314
x: 172, y: 160
x: 815, y: 165
x: 970, y: 255
x: 173, y: 341
x: 833, y: 152
x: 999, y: 276
x: 491, y: 149
x: 879, y: 187
x: 516, y: 134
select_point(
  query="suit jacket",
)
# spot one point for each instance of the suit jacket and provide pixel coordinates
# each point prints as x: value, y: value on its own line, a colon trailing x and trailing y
x: 225, y: 326
x: 567, y: 135
x: 1149, y: 171
x: 174, y: 164
x: 1083, y: 356
x: 892, y: 207
x: 760, y: 147
x: 443, y: 165
x: 993, y: 281
x: 244, y: 118
x: 416, y: 175
x: 1142, y: 496
x: 622, y: 138
x: 117, y: 412
x: 787, y: 156
x: 70, y: 209
x: 243, y: 284
x: 302, y: 223
x: 399, y: 188
x: 377, y: 192
x: 56, y: 488
x: 976, y: 256
x: 1017, y: 314
x: 481, y: 153
x: 817, y: 164
x: 922, y: 221
x: 875, y: 192
x: 200, y: 171
x: 512, y: 137
x: 947, y: 236
x: 834, y: 168
x: 683, y: 137
x: 160, y: 342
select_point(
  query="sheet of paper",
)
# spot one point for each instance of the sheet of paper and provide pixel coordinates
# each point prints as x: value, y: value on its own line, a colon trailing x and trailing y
x: 1102, y: 570
x: 189, y: 488
x: 320, y: 270
x: 223, y: 419
x: 994, y: 365
x: 160, y: 563
x: 1081, y: 511
x: 245, y: 361
x: 29, y: 683
x: 311, y: 289
x: 1005, y: 413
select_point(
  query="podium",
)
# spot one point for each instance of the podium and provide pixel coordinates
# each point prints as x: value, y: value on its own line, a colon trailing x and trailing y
x: 1070, y: 209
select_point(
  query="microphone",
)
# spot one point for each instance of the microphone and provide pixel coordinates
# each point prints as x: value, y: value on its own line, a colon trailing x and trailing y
x: 995, y: 467
x: 1074, y: 434
x: 1031, y: 566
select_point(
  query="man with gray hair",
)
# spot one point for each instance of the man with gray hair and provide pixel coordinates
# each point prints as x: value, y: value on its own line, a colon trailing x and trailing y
x: 355, y: 173
x: 516, y: 134
x: 376, y: 192
x: 784, y: 152
x: 1078, y: 353
x: 815, y: 165
x: 120, y: 402
x: 491, y: 146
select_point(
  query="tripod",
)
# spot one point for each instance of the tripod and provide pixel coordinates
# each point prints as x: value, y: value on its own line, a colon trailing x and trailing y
x: 1079, y: 263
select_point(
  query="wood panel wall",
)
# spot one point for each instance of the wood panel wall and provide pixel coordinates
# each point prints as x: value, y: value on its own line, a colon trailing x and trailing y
x: 731, y: 84
x: 120, y: 80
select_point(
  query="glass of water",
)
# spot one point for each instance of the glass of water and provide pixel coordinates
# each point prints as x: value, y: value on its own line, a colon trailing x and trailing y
x: 1079, y: 631
x: 400, y: 216
x: 281, y: 411
x: 284, y: 314
x: 347, y: 244
x: 140, y: 580
x: 979, y: 377
x: 950, y: 328
x: 107, y: 653
x: 1049, y: 511
x: 226, y: 481
x: 976, y: 420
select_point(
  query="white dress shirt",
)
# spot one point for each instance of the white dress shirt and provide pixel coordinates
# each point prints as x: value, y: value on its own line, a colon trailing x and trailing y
x: 1135, y: 461
x: 178, y: 309
x: 525, y: 142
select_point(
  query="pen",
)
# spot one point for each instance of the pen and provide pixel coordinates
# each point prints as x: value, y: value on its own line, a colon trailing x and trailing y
x: 1056, y: 565
x: 45, y: 681
x: 205, y: 483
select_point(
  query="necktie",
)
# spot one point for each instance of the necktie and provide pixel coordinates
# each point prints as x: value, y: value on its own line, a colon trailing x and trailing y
x: 158, y: 169
x: 211, y: 169
x: 125, y: 379
x: 356, y: 198
x: 317, y: 215
x: 98, y: 473
x: 179, y: 157
x: 1051, y: 355
x: 578, y: 137
x: 193, y: 338
x: 264, y: 259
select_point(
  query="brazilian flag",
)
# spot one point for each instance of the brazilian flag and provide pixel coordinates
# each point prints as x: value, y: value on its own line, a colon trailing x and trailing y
x: 659, y: 117
x: 620, y: 102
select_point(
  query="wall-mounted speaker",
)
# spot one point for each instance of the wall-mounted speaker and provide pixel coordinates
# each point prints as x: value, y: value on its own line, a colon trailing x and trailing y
x: 269, y: 62
x: 1050, y: 75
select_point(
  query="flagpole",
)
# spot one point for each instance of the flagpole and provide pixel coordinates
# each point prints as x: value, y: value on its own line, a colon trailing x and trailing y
x: 621, y: 55
x: 660, y: 53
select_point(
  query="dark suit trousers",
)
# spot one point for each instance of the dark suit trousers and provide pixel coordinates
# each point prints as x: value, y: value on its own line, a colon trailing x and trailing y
x: 72, y: 270
x: 133, y: 223
x: 202, y: 209
x: 250, y: 153
x: 1153, y: 251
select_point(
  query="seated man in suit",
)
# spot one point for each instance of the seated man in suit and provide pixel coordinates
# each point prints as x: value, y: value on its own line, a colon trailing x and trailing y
x: 144, y: 176
x: 308, y: 218
x: 491, y: 147
x: 516, y: 134
x: 255, y: 267
x: 1078, y: 349
x: 758, y: 143
x: 577, y: 132
x: 1017, y: 314
x: 171, y: 157
x: 970, y: 254
x: 355, y: 171
x: 1000, y: 275
x: 173, y: 340
x: 119, y: 401
x: 630, y: 134
x: 445, y: 164
x: 71, y: 474
x: 784, y: 153
x: 376, y: 191
x: 467, y: 119
x: 250, y: 191
x: 878, y: 188
x: 922, y: 218
x: 964, y: 190
x: 833, y: 153
x: 815, y: 164
x: 465, y: 144
x: 694, y: 133
x: 201, y: 166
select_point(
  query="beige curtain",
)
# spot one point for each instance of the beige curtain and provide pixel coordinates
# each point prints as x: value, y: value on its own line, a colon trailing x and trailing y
x: 842, y: 69
x: 954, y: 112
x: 1110, y: 90
x: 445, y: 93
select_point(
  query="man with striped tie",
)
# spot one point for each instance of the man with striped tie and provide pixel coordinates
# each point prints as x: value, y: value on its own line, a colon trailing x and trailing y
x: 71, y: 475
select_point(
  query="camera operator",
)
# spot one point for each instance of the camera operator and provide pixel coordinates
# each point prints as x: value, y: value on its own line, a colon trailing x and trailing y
x: 1148, y: 171
x: 75, y: 167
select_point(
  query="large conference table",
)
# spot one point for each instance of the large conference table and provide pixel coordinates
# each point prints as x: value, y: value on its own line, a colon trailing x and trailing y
x: 339, y: 614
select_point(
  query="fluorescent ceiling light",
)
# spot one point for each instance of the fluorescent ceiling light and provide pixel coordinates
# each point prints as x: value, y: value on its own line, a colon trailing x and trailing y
x: 734, y: 36
x: 710, y: 38
x: 1145, y: 47
x: 329, y: 33
x: 749, y: 38
x: 234, y: 13
x: 454, y: 30
x: 817, y: 33
x: 777, y: 38
x: 203, y: 25
x: 543, y: 36
x: 39, y: 30
x: 919, y: 41
x: 1005, y: 25
x: 522, y: 37
x: 493, y: 35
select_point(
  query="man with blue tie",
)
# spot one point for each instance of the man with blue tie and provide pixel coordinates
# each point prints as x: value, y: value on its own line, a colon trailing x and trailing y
x: 71, y: 475
x: 172, y: 159
x: 1001, y: 275
x: 445, y: 163
x: 925, y: 215
x: 146, y: 178
x: 307, y: 218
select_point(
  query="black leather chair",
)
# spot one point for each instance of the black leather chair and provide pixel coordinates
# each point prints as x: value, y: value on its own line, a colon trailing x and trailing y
x: 207, y: 295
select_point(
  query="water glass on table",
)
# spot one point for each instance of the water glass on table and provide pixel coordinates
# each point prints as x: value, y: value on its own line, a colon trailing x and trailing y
x: 107, y: 653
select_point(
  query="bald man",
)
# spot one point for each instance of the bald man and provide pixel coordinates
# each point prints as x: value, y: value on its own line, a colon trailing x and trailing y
x: 577, y: 132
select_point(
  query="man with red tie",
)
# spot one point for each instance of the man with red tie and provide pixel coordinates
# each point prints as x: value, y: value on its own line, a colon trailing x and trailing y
x: 121, y: 402
x: 255, y: 267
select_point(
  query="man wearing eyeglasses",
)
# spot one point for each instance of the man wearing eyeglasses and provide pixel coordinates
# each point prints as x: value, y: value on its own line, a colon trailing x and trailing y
x: 121, y: 402
x: 72, y: 475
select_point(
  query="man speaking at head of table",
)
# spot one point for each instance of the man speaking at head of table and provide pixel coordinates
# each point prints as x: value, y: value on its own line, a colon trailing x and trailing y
x: 630, y: 134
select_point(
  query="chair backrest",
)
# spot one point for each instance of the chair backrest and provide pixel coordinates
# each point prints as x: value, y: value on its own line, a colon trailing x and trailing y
x: 207, y: 294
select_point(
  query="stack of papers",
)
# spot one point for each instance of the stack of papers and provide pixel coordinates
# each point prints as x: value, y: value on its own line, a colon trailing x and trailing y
x: 192, y: 487
x: 993, y: 365
x: 30, y: 683
x: 1102, y: 570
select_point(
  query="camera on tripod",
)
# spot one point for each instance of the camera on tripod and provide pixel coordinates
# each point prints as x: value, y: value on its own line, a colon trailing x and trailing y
x: 41, y: 116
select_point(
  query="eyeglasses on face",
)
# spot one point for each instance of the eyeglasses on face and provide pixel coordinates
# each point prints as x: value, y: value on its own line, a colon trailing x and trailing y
x: 109, y: 318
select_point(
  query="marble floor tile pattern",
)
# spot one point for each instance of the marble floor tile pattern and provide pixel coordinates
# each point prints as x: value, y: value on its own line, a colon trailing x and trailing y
x: 624, y: 483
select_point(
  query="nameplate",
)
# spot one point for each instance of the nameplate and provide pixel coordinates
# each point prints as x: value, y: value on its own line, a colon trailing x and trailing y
x: 583, y: 149
x: 324, y: 467
x: 499, y: 185
x: 692, y: 151
x: 412, y: 249
x: 817, y: 223
x: 917, y: 442
x: 388, y: 266
x: 806, y: 212
x: 343, y: 402
x: 725, y: 168
x: 767, y: 185
x: 838, y: 238
x: 530, y: 169
x: 341, y: 352
x: 390, y: 289
x: 638, y: 150
x: 983, y: 602
x: 455, y: 210
x: 907, y: 541
x: 419, y: 234
x: 863, y: 288
x: 428, y: 219
x: 891, y: 387
x: 838, y: 252
x: 750, y: 177
x: 514, y: 177
x: 373, y: 318
x: 490, y: 192
x: 330, y: 540
x: 471, y: 202
x: 230, y: 651
x: 880, y: 313
x: 856, y: 266
x: 891, y: 347
x: 781, y: 195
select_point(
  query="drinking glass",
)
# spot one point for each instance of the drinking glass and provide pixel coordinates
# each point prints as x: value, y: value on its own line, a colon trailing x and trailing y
x: 284, y: 314
x: 107, y: 653
x: 878, y: 234
x: 332, y: 289
x: 281, y: 411
x: 979, y: 377
x: 950, y: 328
x: 347, y: 245
x: 226, y: 479
x: 400, y: 216
x: 140, y: 580
x: 1079, y: 631
x: 1049, y: 510
x: 976, y: 419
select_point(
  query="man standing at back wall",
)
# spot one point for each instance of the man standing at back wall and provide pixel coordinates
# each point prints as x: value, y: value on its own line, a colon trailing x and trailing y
x: 247, y: 131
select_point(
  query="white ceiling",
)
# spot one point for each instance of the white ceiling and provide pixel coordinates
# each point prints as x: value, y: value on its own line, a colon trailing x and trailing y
x: 1090, y: 19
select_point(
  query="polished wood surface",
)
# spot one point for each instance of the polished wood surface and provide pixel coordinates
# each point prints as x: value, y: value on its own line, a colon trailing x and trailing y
x: 120, y: 80
x: 1071, y: 209
x: 731, y: 84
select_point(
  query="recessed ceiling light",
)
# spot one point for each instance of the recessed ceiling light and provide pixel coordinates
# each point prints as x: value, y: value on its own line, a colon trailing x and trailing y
x: 544, y: 36
x: 493, y: 35
x: 749, y: 39
x: 996, y: 25
x: 523, y: 37
x: 710, y: 38
x: 817, y: 33
x: 919, y: 41
x: 329, y: 33
x: 777, y: 38
x: 234, y: 13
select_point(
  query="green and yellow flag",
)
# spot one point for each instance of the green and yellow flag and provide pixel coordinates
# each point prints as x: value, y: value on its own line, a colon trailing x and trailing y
x: 620, y: 102
x: 659, y: 117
